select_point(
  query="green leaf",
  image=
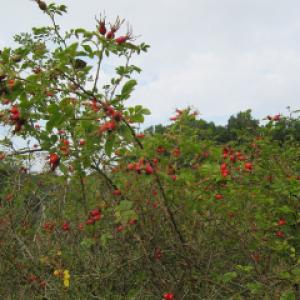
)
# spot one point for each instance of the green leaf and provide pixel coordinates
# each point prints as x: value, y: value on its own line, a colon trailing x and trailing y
x: 109, y: 144
x: 87, y: 242
x: 128, y: 88
x: 227, y: 277
x: 288, y: 295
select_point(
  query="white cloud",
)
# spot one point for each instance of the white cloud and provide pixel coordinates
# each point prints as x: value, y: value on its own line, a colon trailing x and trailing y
x: 219, y: 56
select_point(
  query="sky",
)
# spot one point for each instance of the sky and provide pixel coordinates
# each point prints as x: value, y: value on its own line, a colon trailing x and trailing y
x: 218, y: 56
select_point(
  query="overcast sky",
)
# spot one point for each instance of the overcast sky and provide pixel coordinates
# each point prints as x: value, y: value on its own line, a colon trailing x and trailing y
x: 220, y: 56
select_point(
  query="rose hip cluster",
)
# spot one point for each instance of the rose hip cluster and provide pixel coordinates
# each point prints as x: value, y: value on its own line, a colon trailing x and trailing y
x: 141, y: 166
x: 15, y: 117
x: 233, y: 156
x: 94, y: 216
x: 111, y: 33
x: 116, y: 116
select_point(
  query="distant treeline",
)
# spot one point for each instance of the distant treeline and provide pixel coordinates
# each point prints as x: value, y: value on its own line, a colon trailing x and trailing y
x: 239, y: 127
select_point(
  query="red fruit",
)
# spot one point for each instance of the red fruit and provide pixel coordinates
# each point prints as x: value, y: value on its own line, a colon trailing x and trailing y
x: 155, y: 161
x: 173, y: 177
x: 37, y: 70
x: 241, y: 157
x: 122, y: 39
x: 95, y: 212
x: 61, y: 132
x: 255, y: 257
x: 110, y: 35
x: 232, y: 158
x: 66, y: 226
x: 117, y: 192
x: 248, y: 166
x: 95, y: 105
x: 148, y: 169
x: 14, y: 109
x: 230, y: 214
x: 65, y: 142
x: 281, y: 222
x: 108, y: 126
x: 157, y: 253
x: 160, y: 149
x: 225, y: 155
x: 131, y: 166
x: 48, y: 226
x: 173, y: 118
x: 80, y: 226
x: 155, y: 205
x: 120, y: 228
x: 37, y: 126
x: 140, y: 135
x: 9, y: 197
x: 43, y: 284
x: 169, y: 296
x: 11, y: 83
x: 223, y: 166
x: 81, y: 142
x: 176, y: 152
x: 225, y: 173
x: 280, y: 234
x: 225, y: 150
x: 90, y: 222
x: 32, y: 278
x: 117, y: 116
x: 49, y: 94
x: 96, y: 217
x: 219, y: 196
x: 132, y: 222
x: 53, y: 158
x: 102, y: 28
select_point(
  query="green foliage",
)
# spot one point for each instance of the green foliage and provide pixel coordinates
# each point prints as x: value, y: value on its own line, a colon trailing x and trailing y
x: 191, y: 209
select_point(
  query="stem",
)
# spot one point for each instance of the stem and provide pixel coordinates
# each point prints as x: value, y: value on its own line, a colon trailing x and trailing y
x: 98, y: 69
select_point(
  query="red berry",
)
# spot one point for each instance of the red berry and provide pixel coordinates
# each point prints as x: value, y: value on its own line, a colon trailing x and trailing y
x: 140, y: 135
x: 281, y: 222
x: 280, y: 234
x: 80, y: 226
x: 248, y: 166
x: 122, y: 39
x: 157, y: 253
x: 95, y: 212
x: 223, y: 166
x: 160, y: 149
x: 173, y: 177
x: 148, y: 169
x: 169, y: 296
x: 176, y: 152
x: 102, y: 28
x: 90, y: 222
x: 117, y: 192
x: 110, y: 35
x: 132, y: 222
x: 120, y: 228
x: 219, y: 196
x: 131, y: 166
x: 66, y: 226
